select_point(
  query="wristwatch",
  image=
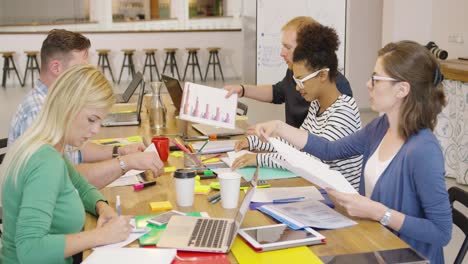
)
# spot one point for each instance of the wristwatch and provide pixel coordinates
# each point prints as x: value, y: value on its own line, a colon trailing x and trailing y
x: 115, y: 151
x: 122, y: 164
x: 385, y: 220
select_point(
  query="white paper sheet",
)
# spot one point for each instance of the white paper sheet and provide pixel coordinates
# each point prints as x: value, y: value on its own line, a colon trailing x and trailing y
x: 131, y: 176
x: 131, y: 255
x: 267, y: 195
x: 208, y: 105
x: 309, y: 168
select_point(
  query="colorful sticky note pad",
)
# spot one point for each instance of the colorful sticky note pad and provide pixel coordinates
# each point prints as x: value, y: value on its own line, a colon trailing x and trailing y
x: 170, y: 169
x: 160, y: 206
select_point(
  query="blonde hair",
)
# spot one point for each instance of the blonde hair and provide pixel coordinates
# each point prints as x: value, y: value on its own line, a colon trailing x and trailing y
x: 78, y: 87
x: 299, y: 23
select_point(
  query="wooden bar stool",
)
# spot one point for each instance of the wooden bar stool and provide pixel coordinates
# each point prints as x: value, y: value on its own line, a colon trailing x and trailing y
x: 214, y: 60
x: 31, y: 65
x: 103, y: 62
x: 128, y: 56
x: 192, y: 54
x: 150, y: 61
x: 170, y: 55
x: 7, y: 60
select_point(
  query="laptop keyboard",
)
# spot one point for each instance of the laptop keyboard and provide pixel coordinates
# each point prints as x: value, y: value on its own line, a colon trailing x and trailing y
x: 208, y: 233
x: 124, y: 117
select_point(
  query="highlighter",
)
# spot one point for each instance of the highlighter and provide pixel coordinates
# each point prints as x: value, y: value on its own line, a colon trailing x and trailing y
x: 140, y: 186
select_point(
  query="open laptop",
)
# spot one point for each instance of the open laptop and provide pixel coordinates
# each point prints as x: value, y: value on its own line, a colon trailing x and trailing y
x: 206, y: 234
x: 208, y: 130
x: 123, y: 98
x: 126, y: 118
x: 175, y: 90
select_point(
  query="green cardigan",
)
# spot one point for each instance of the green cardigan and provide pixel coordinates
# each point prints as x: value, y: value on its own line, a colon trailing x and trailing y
x: 47, y: 202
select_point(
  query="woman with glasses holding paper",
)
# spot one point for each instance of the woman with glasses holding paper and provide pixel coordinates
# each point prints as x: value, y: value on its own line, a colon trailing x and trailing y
x: 43, y: 197
x: 331, y: 115
x: 402, y: 182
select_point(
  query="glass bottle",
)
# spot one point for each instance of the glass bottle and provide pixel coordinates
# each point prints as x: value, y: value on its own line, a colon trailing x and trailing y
x: 158, y: 110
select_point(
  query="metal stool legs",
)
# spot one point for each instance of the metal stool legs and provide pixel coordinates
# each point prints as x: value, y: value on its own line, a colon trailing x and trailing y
x: 214, y: 60
x: 150, y: 61
x: 130, y: 66
x: 8, y: 58
x: 194, y: 63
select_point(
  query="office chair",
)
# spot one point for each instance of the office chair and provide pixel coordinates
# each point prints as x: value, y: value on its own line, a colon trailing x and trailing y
x: 459, y: 219
x: 241, y: 109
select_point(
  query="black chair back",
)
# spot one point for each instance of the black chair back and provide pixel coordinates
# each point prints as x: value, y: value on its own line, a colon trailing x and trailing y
x: 3, y: 145
x: 459, y: 219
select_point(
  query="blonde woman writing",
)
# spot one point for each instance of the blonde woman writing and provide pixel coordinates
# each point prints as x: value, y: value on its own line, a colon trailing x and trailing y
x: 44, y: 198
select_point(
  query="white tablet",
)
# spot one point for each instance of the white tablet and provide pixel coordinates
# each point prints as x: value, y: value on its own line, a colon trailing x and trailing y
x: 271, y: 237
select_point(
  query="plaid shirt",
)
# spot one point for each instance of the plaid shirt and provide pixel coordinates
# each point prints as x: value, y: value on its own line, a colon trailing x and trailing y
x: 27, y: 112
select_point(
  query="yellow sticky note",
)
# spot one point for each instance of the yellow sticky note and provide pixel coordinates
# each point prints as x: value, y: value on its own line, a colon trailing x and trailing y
x: 202, y: 189
x: 246, y: 255
x: 177, y: 154
x: 212, y: 160
x: 135, y: 139
x: 170, y: 169
x: 160, y: 206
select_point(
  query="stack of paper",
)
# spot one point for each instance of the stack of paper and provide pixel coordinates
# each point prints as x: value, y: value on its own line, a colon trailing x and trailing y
x: 309, y: 168
x: 308, y: 213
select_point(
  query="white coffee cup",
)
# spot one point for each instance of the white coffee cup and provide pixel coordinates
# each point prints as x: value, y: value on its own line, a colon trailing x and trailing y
x: 229, y: 183
x: 184, y: 185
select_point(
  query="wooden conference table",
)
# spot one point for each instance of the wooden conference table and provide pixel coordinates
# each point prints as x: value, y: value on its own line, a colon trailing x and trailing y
x: 365, y: 237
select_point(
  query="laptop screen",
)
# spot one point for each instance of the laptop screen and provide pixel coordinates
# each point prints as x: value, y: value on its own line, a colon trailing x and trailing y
x: 174, y: 89
x: 132, y: 87
x: 140, y: 100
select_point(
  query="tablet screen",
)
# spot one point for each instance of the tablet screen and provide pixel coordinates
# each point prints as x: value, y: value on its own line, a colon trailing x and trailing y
x: 277, y: 233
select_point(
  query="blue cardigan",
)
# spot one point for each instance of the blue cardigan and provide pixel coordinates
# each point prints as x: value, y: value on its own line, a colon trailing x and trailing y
x: 413, y: 183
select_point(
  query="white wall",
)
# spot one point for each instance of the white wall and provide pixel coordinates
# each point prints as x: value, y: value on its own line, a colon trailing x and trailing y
x: 427, y: 20
x: 363, y: 40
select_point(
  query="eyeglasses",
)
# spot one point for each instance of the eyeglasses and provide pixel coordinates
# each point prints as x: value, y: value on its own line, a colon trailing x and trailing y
x: 382, y: 78
x: 300, y: 82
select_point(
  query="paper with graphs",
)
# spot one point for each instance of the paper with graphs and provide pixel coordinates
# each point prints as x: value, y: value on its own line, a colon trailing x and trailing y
x: 309, y: 168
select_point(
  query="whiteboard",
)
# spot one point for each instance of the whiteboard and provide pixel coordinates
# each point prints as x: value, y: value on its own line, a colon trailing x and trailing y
x: 273, y: 14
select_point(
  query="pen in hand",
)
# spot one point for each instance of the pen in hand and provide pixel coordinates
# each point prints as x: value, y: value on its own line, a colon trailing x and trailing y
x: 117, y: 204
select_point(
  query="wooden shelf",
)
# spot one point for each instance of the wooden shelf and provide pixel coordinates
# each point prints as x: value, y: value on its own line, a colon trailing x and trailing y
x: 455, y: 69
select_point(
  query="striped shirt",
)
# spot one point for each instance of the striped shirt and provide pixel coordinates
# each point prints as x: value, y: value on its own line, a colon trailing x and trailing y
x: 340, y: 119
x: 28, y: 111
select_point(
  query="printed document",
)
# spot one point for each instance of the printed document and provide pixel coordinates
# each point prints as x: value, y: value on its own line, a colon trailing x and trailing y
x: 307, y: 213
x: 208, y: 105
x: 309, y: 168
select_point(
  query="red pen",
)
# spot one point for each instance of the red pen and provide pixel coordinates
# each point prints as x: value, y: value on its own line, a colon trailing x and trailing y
x: 140, y: 186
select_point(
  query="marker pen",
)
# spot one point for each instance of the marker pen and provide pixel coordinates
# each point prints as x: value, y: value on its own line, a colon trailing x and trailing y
x: 140, y: 186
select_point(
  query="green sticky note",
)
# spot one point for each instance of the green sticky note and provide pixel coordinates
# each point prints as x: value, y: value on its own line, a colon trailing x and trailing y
x: 266, y: 173
x: 152, y: 237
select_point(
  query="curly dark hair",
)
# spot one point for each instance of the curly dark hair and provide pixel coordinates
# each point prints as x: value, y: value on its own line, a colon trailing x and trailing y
x: 60, y: 43
x: 317, y: 46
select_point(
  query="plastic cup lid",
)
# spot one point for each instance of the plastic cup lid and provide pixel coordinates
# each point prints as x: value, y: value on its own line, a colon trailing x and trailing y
x: 185, y: 174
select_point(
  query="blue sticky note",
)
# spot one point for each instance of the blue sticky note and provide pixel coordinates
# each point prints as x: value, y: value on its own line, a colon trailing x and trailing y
x: 266, y: 173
